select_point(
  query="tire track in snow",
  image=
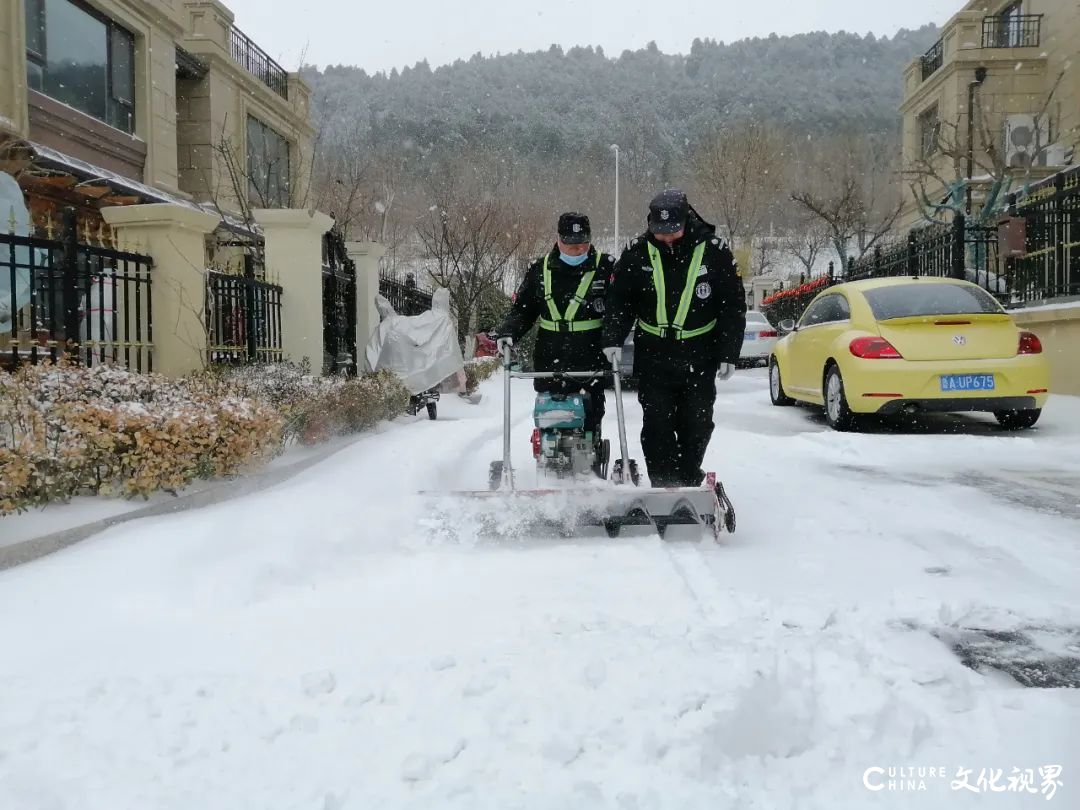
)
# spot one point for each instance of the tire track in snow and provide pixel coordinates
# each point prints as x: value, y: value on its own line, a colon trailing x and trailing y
x: 688, y: 561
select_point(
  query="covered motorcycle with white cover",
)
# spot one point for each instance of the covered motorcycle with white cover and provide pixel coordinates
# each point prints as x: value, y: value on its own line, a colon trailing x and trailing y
x: 421, y: 349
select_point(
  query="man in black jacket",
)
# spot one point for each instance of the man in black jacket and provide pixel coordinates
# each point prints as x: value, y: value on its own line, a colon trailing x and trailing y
x: 681, y: 283
x: 565, y: 292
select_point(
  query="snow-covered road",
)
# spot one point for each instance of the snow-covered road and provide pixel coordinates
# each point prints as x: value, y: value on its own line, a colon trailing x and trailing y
x: 311, y: 647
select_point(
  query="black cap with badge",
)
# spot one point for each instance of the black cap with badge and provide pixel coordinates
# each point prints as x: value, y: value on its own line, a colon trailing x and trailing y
x: 574, y: 228
x: 667, y: 211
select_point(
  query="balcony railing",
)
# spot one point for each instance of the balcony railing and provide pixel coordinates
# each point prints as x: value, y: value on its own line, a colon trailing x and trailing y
x: 1017, y: 31
x: 255, y: 61
x: 932, y: 60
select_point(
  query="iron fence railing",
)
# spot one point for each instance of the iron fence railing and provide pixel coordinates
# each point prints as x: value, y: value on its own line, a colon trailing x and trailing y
x: 1031, y: 256
x: 1050, y: 216
x: 959, y: 250
x: 404, y: 294
x: 1012, y: 31
x: 258, y: 63
x: 243, y: 318
x: 339, y: 307
x: 62, y: 298
x: 933, y: 59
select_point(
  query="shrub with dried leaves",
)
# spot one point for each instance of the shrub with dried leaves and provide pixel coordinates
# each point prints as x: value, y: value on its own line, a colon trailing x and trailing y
x: 68, y: 430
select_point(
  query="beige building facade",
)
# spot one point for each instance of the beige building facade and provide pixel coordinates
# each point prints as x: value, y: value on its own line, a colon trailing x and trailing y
x: 183, y: 150
x: 1019, y: 65
x: 167, y: 94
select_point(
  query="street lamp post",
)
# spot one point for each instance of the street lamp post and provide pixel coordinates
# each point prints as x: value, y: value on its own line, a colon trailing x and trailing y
x: 615, y: 147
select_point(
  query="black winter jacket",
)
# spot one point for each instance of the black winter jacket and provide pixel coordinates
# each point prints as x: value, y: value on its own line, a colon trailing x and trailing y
x: 718, y: 293
x: 561, y: 351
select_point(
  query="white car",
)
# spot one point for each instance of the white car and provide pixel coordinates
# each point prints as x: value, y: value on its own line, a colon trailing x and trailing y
x: 758, y: 341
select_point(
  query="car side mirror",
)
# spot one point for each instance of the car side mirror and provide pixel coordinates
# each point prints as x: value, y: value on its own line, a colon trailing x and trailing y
x: 787, y: 325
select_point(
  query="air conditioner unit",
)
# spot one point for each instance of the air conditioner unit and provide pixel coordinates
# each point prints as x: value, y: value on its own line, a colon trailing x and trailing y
x: 1026, y: 143
x: 1055, y: 155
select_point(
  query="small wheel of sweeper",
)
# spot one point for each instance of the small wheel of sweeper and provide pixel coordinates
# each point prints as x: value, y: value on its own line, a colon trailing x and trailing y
x: 726, y: 507
x: 432, y: 410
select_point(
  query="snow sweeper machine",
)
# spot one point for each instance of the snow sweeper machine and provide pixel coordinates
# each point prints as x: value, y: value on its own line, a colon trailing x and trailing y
x: 579, y: 485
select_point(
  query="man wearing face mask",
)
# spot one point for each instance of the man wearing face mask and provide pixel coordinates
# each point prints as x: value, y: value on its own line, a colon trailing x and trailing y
x: 564, y: 291
x: 682, y: 285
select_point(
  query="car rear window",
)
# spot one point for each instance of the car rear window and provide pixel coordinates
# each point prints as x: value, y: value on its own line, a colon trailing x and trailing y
x: 914, y: 300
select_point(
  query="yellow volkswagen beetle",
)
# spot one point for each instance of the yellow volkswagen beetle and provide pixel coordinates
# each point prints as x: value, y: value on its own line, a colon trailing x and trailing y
x: 909, y: 345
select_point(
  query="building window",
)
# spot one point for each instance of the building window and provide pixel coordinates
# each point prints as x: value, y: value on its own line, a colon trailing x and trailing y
x: 82, y: 59
x: 268, y: 165
x: 1010, y: 26
x: 929, y: 131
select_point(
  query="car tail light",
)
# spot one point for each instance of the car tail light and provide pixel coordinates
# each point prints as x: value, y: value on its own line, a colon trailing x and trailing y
x: 769, y: 333
x: 874, y: 348
x: 1029, y: 343
x: 536, y: 442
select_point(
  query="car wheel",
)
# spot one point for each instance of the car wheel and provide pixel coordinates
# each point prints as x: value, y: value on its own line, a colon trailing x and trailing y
x: 1018, y: 420
x: 837, y: 412
x: 776, y: 385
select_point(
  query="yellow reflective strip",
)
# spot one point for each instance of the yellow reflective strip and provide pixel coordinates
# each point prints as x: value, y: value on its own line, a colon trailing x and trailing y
x: 658, y: 283
x: 692, y: 333
x: 579, y: 295
x: 688, y: 287
x: 570, y: 326
x: 652, y: 330
x: 552, y: 309
x: 585, y: 326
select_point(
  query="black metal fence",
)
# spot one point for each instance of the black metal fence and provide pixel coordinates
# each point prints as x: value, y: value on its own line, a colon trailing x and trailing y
x: 1012, y: 31
x: 243, y: 318
x: 1049, y: 217
x: 404, y: 294
x: 933, y: 59
x: 258, y: 63
x: 959, y: 250
x: 1033, y: 255
x: 65, y: 298
x: 339, y: 307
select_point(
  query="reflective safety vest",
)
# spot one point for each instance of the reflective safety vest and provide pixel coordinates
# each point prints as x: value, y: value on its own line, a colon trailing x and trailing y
x: 664, y: 327
x: 566, y: 323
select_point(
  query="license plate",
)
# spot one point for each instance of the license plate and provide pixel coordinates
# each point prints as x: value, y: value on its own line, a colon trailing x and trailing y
x: 751, y: 335
x: 967, y: 382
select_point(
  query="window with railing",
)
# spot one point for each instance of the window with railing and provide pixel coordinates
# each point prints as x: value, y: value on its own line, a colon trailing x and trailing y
x: 82, y: 59
x: 933, y: 59
x: 1011, y: 29
x: 258, y: 63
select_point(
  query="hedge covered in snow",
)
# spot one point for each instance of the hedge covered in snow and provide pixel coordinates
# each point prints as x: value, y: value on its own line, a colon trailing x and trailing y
x: 480, y: 369
x: 314, y: 408
x: 68, y: 430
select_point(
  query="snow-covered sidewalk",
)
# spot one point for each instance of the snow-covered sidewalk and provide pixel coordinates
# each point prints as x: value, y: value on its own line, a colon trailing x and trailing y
x: 310, y: 646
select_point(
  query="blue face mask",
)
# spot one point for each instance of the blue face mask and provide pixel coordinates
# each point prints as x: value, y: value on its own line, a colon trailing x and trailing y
x: 573, y: 261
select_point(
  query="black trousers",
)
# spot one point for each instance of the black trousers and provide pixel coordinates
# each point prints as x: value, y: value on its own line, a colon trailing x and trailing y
x: 677, y: 413
x: 594, y: 397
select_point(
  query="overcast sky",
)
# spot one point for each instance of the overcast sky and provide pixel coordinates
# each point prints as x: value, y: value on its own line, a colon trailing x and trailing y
x: 383, y: 34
